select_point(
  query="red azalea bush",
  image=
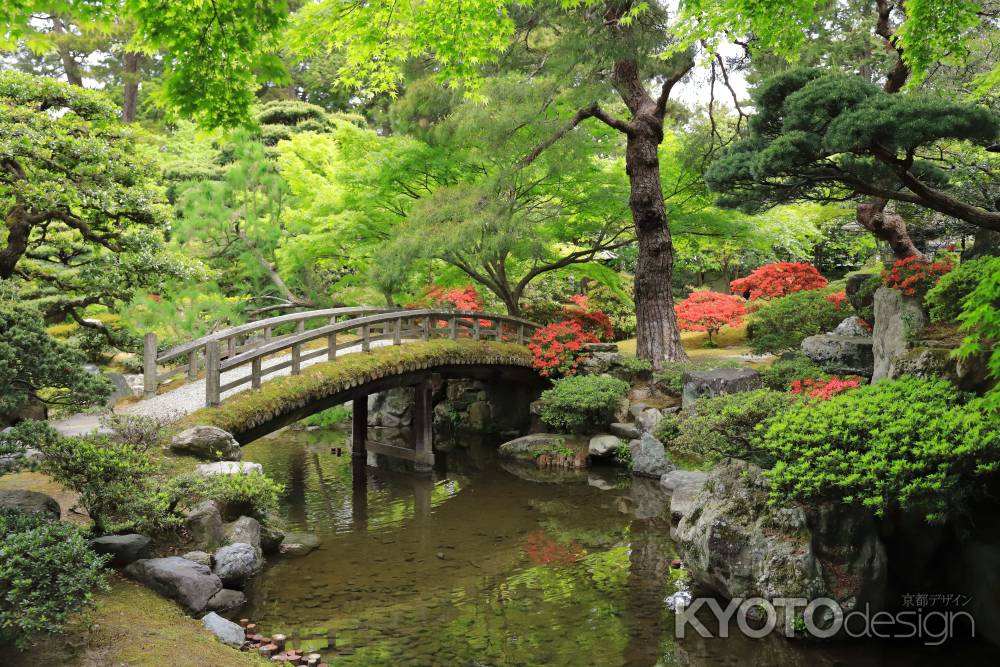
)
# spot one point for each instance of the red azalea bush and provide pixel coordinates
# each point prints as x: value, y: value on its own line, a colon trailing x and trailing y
x: 558, y: 347
x: 591, y: 319
x: 824, y: 390
x: 914, y: 275
x: 458, y: 298
x: 778, y: 279
x: 838, y: 299
x: 709, y: 311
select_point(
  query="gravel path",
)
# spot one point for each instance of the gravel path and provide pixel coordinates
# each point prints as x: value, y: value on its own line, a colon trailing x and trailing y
x: 186, y: 398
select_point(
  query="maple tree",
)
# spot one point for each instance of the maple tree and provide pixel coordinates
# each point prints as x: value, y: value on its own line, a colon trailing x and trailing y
x: 778, y: 279
x: 709, y: 311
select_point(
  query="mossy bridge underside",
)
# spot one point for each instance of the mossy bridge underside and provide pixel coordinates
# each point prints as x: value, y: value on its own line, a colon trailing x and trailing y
x: 353, y: 377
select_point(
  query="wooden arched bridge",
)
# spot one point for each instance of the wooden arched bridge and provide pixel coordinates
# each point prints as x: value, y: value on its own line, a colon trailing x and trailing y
x: 354, y: 352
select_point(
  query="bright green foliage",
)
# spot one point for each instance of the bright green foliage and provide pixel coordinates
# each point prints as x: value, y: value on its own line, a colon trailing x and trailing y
x: 671, y: 378
x: 116, y: 482
x: 329, y: 418
x: 779, y: 375
x: 816, y: 134
x: 945, y: 300
x: 47, y: 573
x: 33, y: 365
x: 28, y: 433
x: 782, y: 324
x: 981, y: 317
x: 249, y: 494
x: 83, y: 219
x: 911, y: 443
x: 931, y: 29
x: 185, y: 312
x: 724, y: 426
x: 213, y: 52
x: 583, y: 402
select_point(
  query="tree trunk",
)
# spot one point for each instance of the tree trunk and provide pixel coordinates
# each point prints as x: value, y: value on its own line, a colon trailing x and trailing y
x: 70, y: 66
x: 131, y: 91
x: 659, y: 339
x: 889, y: 227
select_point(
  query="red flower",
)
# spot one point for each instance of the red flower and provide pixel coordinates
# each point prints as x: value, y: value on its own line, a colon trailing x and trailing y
x: 558, y: 348
x: 709, y: 311
x: 778, y: 279
x: 824, y: 390
x: 914, y: 275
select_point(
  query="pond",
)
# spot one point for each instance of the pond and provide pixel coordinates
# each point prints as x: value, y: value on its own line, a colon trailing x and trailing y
x: 490, y: 564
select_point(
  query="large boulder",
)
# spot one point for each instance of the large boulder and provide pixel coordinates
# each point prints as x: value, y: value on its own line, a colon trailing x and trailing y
x: 737, y: 544
x: 845, y: 355
x: 225, y: 631
x: 123, y: 549
x: 526, y: 448
x: 32, y: 502
x: 716, y: 382
x: 603, y: 446
x: 624, y: 430
x: 647, y: 420
x: 204, y: 525
x: 853, y: 326
x: 683, y: 487
x: 929, y: 358
x: 208, y: 443
x: 245, y: 529
x: 392, y: 408
x: 236, y: 563
x: 189, y: 583
x: 899, y: 319
x: 649, y: 458
x: 229, y: 468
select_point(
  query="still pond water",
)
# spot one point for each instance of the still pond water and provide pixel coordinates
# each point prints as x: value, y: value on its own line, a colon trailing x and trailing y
x: 490, y: 564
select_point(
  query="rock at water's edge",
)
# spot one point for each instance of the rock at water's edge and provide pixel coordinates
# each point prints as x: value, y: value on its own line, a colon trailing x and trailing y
x: 225, y: 631
x: 189, y: 583
x: 208, y: 443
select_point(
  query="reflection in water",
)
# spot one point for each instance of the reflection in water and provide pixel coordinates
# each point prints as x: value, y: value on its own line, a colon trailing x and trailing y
x: 484, y: 564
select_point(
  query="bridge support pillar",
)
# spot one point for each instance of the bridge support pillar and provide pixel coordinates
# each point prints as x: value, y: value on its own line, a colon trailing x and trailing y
x: 423, y: 422
x: 359, y: 428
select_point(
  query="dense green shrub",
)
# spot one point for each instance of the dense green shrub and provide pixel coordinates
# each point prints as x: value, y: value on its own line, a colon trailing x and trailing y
x: 250, y: 494
x: 863, y: 300
x: 29, y: 433
x: 780, y: 375
x: 140, y: 431
x: 330, y: 417
x: 116, y: 481
x: 723, y: 426
x: 981, y: 318
x: 671, y: 378
x: 944, y: 300
x: 913, y: 443
x: 782, y: 324
x: 47, y: 573
x: 579, y: 403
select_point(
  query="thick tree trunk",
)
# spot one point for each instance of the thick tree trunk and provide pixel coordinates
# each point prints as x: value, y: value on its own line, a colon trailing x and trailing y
x: 131, y: 92
x: 659, y: 339
x: 887, y: 226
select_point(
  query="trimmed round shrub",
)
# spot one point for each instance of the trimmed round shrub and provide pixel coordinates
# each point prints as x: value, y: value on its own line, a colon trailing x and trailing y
x: 582, y: 403
x: 47, y: 573
x: 722, y: 427
x: 912, y: 443
x: 782, y: 324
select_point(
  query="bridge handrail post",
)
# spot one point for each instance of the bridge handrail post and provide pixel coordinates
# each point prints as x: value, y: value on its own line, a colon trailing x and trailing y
x: 520, y: 334
x: 397, y: 333
x: 331, y: 346
x: 213, y: 376
x: 426, y: 335
x: 453, y: 327
x: 255, y: 374
x: 149, y: 378
x: 475, y: 328
x: 193, y: 365
x: 296, y: 358
x: 365, y: 343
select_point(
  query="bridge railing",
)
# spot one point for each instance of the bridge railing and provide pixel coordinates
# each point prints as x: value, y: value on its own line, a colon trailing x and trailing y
x: 232, y: 341
x: 327, y: 341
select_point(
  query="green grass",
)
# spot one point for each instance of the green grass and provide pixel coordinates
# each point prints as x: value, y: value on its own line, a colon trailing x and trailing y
x: 133, y: 626
x: 731, y: 343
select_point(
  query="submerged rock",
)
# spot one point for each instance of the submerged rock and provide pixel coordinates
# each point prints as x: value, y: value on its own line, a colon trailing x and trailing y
x: 226, y: 602
x: 225, y: 631
x: 716, y: 382
x: 189, y: 583
x: 209, y: 443
x: 526, y: 448
x: 124, y: 549
x: 737, y: 544
x: 299, y: 544
x: 649, y: 458
x: 30, y: 502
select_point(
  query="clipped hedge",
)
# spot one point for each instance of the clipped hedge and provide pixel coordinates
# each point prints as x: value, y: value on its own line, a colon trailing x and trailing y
x: 281, y: 395
x: 582, y: 403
